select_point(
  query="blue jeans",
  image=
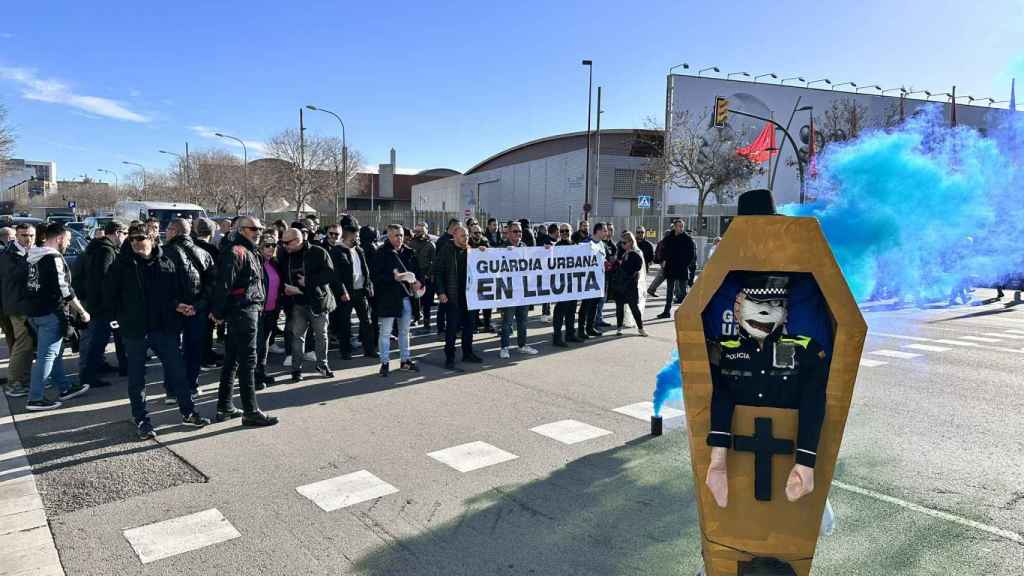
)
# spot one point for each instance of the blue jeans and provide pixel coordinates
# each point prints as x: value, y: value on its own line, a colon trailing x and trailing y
x: 384, y: 342
x: 94, y: 346
x: 193, y: 338
x: 165, y: 345
x: 519, y: 314
x: 49, y: 350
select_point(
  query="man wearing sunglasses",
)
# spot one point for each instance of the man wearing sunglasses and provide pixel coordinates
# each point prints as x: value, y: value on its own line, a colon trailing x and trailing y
x: 309, y: 274
x: 239, y: 295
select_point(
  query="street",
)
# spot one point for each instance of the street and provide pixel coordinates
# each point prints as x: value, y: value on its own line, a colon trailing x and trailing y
x: 358, y: 477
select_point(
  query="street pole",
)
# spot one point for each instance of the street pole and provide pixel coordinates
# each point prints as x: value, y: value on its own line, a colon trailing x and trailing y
x: 115, y: 178
x: 143, y: 168
x: 302, y: 163
x: 344, y: 164
x: 586, y: 177
x: 597, y: 159
x: 188, y: 175
x: 245, y: 171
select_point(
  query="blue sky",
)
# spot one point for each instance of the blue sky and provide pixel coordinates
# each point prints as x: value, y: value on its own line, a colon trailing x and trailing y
x: 90, y: 84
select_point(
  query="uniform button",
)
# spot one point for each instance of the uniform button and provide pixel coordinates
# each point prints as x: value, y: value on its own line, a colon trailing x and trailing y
x: 759, y: 395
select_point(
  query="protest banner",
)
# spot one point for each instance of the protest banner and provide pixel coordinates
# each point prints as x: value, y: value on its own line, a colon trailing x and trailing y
x: 507, y: 277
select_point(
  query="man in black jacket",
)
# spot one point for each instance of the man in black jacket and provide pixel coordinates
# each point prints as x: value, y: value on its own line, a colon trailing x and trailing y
x: 352, y: 277
x: 679, y: 256
x: 50, y: 294
x: 99, y: 256
x: 197, y: 271
x: 238, y: 297
x: 202, y: 234
x: 396, y: 277
x: 309, y: 274
x: 145, y: 292
x: 444, y: 241
x: 450, y: 276
x: 645, y: 247
x: 16, y: 306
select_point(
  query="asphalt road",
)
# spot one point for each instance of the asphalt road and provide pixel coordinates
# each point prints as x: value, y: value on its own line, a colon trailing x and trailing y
x: 930, y: 478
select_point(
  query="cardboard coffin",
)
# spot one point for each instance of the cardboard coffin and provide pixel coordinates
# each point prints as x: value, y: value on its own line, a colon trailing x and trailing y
x: 748, y: 528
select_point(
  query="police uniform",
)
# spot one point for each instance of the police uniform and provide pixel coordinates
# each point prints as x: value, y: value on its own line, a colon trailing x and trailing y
x: 782, y: 371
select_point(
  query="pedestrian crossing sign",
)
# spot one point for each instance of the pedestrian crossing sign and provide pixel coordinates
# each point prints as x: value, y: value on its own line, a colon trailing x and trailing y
x: 643, y: 201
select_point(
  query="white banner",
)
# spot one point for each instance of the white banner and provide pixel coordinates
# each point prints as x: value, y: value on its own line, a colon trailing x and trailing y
x: 507, y: 277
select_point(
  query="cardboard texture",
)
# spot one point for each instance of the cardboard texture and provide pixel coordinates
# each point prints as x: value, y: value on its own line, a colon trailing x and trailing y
x: 747, y: 528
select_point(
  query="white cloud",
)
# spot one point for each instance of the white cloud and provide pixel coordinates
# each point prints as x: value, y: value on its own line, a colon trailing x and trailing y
x: 208, y: 132
x: 57, y: 92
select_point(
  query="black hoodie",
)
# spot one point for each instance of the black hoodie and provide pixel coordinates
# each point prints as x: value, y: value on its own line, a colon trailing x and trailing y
x: 144, y: 293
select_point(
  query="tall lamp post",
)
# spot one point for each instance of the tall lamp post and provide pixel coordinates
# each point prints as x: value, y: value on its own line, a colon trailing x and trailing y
x: 825, y: 80
x: 141, y: 167
x: 773, y: 76
x: 797, y: 78
x: 344, y: 162
x: 854, y: 84
x: 731, y: 74
x: 245, y: 167
x: 114, y: 174
x: 184, y: 165
x: 667, y: 138
x: 875, y: 87
x: 586, y: 177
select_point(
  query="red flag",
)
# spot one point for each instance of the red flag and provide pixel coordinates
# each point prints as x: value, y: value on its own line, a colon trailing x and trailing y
x: 761, y: 149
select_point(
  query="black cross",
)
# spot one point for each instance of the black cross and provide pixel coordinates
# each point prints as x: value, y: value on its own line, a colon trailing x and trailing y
x: 763, y: 445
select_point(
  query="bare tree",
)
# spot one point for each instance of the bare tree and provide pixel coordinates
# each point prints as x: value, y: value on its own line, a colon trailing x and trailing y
x: 335, y: 160
x: 702, y: 158
x: 218, y: 180
x: 6, y: 135
x: 306, y: 182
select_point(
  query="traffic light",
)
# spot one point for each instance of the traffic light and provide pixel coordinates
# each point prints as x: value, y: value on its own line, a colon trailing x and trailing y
x: 721, y: 111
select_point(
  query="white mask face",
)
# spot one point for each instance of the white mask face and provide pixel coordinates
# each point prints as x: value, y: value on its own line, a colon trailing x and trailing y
x: 759, y: 319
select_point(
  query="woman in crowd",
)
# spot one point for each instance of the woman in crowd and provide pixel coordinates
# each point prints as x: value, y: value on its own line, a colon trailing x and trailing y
x: 629, y: 282
x: 271, y: 307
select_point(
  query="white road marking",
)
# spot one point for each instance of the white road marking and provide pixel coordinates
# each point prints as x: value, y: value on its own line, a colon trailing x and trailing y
x: 895, y: 354
x: 1002, y: 335
x: 644, y: 411
x: 927, y: 347
x: 957, y: 342
x: 179, y: 535
x: 472, y: 456
x: 1006, y: 534
x: 570, y: 431
x: 342, y: 491
x: 1013, y: 331
x: 869, y: 363
x: 981, y: 339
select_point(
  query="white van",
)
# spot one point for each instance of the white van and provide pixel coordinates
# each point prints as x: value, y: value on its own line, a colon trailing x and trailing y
x: 163, y: 211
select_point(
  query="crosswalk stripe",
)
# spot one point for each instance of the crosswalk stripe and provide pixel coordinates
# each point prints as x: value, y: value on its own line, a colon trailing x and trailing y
x: 869, y: 363
x: 895, y: 354
x: 927, y: 348
x: 1004, y: 335
x: 472, y: 456
x: 343, y: 491
x: 981, y: 339
x: 570, y: 431
x: 179, y: 535
x: 1012, y: 331
x: 644, y: 411
x: 956, y: 342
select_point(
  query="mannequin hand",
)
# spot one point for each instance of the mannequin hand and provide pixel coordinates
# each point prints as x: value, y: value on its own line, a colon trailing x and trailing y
x: 717, y: 480
x: 800, y: 482
x: 84, y: 316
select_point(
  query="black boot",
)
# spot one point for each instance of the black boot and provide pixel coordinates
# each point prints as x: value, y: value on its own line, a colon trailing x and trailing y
x: 258, y: 419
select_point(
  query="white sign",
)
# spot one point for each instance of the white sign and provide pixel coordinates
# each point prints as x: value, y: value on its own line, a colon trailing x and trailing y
x: 508, y: 277
x: 643, y: 201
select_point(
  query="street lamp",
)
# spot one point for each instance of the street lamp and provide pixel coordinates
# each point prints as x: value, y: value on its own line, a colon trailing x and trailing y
x: 797, y: 78
x: 184, y: 165
x: 925, y: 92
x: 143, y: 168
x: 854, y: 84
x: 344, y: 161
x: 245, y: 166
x: 684, y: 65
x: 586, y: 177
x: 825, y: 80
x: 869, y: 87
x: 114, y: 174
x: 901, y: 89
x: 731, y: 74
x: 703, y: 70
x: 991, y: 102
x: 772, y: 74
x: 930, y: 94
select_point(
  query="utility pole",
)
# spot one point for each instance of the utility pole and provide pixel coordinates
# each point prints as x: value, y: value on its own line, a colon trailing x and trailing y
x: 597, y: 170
x: 586, y: 177
x: 302, y: 164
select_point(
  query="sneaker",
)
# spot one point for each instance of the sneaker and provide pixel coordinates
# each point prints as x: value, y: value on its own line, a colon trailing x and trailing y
x: 410, y: 366
x: 259, y: 384
x: 652, y: 293
x: 277, y: 349
x: 18, y: 390
x: 528, y: 350
x: 325, y: 371
x: 170, y: 401
x: 296, y: 377
x: 504, y: 354
x: 385, y: 368
x: 546, y: 319
x: 146, y: 431
x: 41, y: 405
x: 663, y: 315
x: 310, y: 356
x: 228, y: 414
x: 258, y: 419
x: 618, y: 331
x: 642, y: 332
x: 74, y: 392
x: 287, y: 362
x: 195, y: 420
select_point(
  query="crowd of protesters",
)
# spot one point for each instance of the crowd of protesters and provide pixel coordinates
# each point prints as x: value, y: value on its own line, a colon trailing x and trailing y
x: 302, y: 284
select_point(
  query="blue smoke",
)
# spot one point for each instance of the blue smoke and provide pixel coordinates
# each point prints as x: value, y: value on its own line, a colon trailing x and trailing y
x: 924, y: 207
x: 669, y: 383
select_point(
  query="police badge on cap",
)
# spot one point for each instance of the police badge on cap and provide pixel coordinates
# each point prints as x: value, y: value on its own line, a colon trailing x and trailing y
x: 765, y: 287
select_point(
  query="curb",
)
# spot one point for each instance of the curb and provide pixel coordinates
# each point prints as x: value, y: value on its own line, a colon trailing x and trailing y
x: 25, y: 536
